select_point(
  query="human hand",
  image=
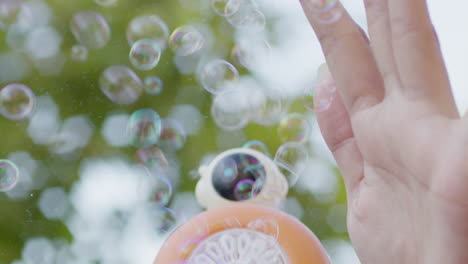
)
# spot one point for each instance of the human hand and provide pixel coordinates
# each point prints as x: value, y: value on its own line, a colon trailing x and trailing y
x: 396, y: 135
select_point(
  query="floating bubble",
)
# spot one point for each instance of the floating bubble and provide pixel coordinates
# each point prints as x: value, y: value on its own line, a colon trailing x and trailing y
x: 294, y: 127
x: 90, y: 29
x: 105, y: 2
x: 172, y: 137
x: 121, y: 84
x: 258, y: 146
x: 153, y: 85
x: 291, y: 159
x: 156, y: 190
x: 9, y: 175
x: 186, y: 40
x: 325, y: 11
x: 9, y: 11
x: 17, y: 101
x: 244, y: 190
x: 225, y: 7
x: 164, y: 219
x: 217, y: 74
x: 229, y: 110
x: 148, y: 27
x: 266, y: 225
x: 249, y: 52
x: 79, y: 53
x: 153, y: 158
x: 144, y: 128
x: 145, y: 54
x: 248, y: 17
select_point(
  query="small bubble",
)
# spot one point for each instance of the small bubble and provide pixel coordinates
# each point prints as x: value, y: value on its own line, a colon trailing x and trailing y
x: 244, y: 190
x: 90, y: 29
x: 186, y: 40
x: 225, y: 7
x: 173, y: 136
x: 121, y: 84
x: 17, y: 101
x: 148, y: 27
x: 79, y: 53
x: 156, y: 190
x: 9, y: 175
x: 294, y: 127
x: 153, y: 85
x: 145, y: 54
x: 153, y: 158
x: 291, y: 158
x: 216, y: 74
x: 144, y: 128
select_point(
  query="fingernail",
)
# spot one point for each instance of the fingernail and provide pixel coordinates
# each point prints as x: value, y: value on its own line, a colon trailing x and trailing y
x: 325, y: 89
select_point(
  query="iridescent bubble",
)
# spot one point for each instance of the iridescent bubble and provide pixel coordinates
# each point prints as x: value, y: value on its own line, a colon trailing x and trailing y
x: 79, y: 53
x: 164, y: 219
x: 291, y: 159
x: 172, y: 137
x: 90, y: 29
x: 217, y: 74
x: 17, y: 101
x: 105, y: 2
x: 153, y: 85
x: 294, y: 127
x: 186, y: 40
x: 9, y: 11
x: 225, y: 7
x: 156, y: 190
x: 258, y: 146
x: 153, y: 158
x: 144, y: 128
x: 243, y: 190
x: 265, y: 225
x: 148, y: 27
x: 121, y: 84
x: 145, y: 54
x: 229, y: 110
x: 9, y: 175
x: 249, y: 52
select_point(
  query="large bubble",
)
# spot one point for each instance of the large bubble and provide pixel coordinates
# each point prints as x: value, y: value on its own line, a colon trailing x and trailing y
x: 90, y: 29
x: 17, y: 101
x: 186, y: 40
x: 145, y: 54
x: 121, y: 84
x: 9, y: 175
x: 144, y: 128
x: 217, y: 74
x: 148, y: 27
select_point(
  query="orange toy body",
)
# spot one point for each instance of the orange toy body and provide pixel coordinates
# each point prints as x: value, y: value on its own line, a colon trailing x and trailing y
x: 295, y: 240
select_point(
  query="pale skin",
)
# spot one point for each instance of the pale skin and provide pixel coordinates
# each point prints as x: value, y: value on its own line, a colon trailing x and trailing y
x: 396, y: 135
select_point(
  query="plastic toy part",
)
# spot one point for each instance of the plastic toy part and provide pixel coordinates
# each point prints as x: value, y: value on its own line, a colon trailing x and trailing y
x: 242, y: 233
x: 241, y: 175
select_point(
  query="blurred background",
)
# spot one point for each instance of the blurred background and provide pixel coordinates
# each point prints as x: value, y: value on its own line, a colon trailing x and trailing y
x: 84, y: 99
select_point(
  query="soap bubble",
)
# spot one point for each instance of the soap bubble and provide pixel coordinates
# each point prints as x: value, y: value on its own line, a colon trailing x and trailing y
x: 291, y: 159
x: 244, y: 190
x: 148, y: 27
x: 225, y: 7
x: 164, y: 219
x: 9, y: 175
x: 17, y: 101
x: 90, y: 29
x: 186, y: 40
x: 265, y: 110
x: 229, y: 109
x: 294, y: 127
x: 248, y: 17
x: 145, y: 54
x: 105, y: 2
x: 172, y: 137
x: 258, y: 146
x: 79, y: 53
x: 217, y: 74
x: 144, y: 128
x: 121, y: 84
x: 153, y: 85
x: 156, y: 190
x: 325, y: 11
x: 153, y: 158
